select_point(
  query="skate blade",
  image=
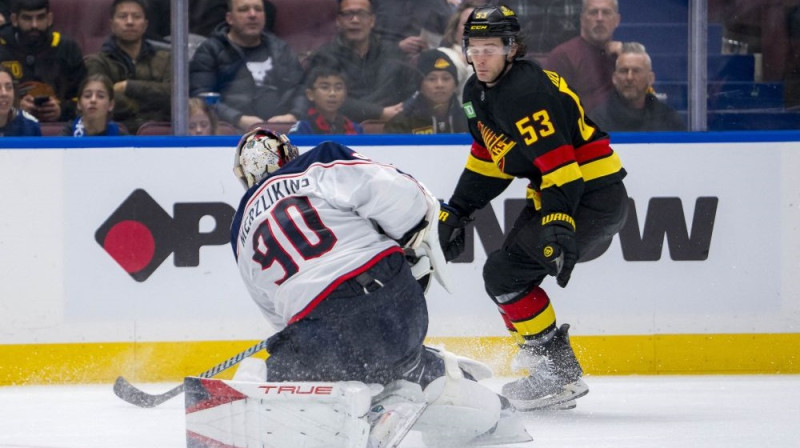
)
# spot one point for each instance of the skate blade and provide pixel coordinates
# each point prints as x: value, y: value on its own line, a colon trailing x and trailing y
x: 563, y: 400
x: 510, y: 429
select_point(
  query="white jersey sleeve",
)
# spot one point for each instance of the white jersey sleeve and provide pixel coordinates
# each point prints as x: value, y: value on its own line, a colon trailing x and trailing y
x: 323, y: 218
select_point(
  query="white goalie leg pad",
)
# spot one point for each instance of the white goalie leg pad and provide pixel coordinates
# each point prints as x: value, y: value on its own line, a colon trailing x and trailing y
x: 287, y: 414
x: 394, y: 411
x: 252, y: 370
x: 458, y: 409
x: 477, y: 369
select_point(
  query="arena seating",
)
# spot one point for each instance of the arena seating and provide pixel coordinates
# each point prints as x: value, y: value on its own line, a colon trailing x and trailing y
x: 165, y: 128
x: 283, y: 128
x: 373, y: 126
x: 52, y: 128
x: 725, y: 95
x: 86, y: 21
x: 660, y: 37
x: 305, y: 24
x: 155, y: 128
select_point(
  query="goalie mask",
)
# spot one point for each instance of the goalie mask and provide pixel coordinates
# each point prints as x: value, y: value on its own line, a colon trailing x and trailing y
x: 260, y: 153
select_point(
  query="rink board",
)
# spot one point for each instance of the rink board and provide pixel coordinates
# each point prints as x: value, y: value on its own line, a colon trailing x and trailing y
x: 723, y: 297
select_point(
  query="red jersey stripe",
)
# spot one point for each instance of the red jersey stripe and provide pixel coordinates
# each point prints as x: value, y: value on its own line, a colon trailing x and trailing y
x: 555, y: 158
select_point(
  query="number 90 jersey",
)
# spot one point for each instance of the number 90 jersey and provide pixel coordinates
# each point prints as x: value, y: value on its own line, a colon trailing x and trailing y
x: 314, y: 223
x: 532, y: 125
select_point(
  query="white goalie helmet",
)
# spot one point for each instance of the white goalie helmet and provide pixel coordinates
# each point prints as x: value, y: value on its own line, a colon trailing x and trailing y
x: 261, y: 152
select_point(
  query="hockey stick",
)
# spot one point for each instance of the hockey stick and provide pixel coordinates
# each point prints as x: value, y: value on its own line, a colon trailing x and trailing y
x: 130, y: 393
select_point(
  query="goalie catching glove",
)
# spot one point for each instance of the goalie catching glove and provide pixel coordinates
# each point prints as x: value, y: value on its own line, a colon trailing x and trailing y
x: 452, y: 232
x: 558, y: 246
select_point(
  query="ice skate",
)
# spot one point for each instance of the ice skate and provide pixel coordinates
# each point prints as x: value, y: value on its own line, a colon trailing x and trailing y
x: 554, y: 379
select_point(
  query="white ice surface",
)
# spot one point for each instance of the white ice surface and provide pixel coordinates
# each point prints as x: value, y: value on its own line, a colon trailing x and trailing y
x: 619, y: 412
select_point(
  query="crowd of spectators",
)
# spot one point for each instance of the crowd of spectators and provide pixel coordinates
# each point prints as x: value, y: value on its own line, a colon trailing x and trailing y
x: 394, y: 62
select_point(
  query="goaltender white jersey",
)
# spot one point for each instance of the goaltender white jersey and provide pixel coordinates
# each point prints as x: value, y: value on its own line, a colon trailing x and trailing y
x: 323, y: 218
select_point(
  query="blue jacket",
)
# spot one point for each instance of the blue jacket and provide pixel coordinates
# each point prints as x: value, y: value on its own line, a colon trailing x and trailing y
x: 22, y: 124
x: 75, y: 129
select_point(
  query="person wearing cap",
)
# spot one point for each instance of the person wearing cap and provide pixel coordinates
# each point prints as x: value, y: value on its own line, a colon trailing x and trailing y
x: 434, y: 108
x: 528, y: 123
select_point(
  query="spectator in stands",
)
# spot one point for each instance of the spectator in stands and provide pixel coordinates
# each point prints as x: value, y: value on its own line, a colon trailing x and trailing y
x: 14, y: 122
x: 5, y: 13
x: 202, y: 119
x: 326, y: 89
x: 411, y: 25
x: 451, y: 42
x: 378, y: 75
x: 587, y: 61
x: 204, y: 17
x: 95, y: 103
x: 633, y: 106
x: 47, y: 65
x: 258, y: 76
x: 140, y: 73
x: 547, y: 23
x: 434, y: 108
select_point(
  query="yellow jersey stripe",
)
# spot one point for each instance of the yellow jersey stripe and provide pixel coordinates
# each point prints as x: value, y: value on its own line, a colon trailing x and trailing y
x: 486, y: 168
x: 601, y: 167
x: 561, y: 176
x: 538, y: 324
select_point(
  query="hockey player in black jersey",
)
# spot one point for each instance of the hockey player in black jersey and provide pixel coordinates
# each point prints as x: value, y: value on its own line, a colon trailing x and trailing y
x: 528, y: 123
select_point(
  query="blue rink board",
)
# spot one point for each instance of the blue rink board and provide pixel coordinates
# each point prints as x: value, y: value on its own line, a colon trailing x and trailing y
x: 378, y: 140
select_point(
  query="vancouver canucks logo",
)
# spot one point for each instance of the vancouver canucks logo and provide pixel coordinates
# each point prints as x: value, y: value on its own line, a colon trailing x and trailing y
x: 498, y: 144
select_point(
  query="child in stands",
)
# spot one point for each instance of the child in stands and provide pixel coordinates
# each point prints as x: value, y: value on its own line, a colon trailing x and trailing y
x: 95, y: 103
x: 202, y: 120
x: 434, y: 108
x: 326, y: 89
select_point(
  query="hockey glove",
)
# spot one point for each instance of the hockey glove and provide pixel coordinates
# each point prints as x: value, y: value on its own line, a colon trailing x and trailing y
x: 558, y: 246
x: 451, y: 231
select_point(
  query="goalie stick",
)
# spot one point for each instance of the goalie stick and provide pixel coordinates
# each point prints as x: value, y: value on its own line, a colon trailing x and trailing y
x: 133, y: 395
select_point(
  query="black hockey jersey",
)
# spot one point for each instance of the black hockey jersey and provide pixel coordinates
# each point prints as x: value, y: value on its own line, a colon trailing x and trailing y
x: 531, y: 125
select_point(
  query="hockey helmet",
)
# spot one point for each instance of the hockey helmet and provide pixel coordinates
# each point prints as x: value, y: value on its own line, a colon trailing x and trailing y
x: 491, y: 21
x: 261, y: 152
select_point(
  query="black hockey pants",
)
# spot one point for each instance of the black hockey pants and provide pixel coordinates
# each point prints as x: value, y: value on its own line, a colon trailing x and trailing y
x: 371, y: 334
x: 515, y: 268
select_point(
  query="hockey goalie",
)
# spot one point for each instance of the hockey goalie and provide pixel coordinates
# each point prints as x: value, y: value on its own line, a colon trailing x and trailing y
x: 336, y: 250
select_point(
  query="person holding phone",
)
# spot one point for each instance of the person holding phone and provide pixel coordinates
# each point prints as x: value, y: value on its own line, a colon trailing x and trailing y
x: 47, y: 65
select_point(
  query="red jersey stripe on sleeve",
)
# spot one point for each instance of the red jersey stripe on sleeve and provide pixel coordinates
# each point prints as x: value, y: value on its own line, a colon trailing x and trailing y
x: 480, y: 152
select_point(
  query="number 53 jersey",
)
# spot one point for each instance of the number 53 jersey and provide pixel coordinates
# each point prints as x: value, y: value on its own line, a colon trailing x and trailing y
x: 532, y: 125
x: 321, y: 219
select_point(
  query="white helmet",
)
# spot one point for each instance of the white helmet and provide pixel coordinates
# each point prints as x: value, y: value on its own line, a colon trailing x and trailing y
x: 261, y: 152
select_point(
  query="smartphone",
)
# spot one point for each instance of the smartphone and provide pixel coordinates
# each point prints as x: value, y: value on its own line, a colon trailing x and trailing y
x: 40, y: 100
